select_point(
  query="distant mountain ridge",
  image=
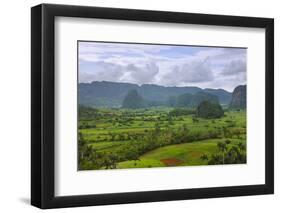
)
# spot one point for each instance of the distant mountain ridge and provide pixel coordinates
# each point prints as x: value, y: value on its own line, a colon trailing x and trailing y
x: 112, y: 94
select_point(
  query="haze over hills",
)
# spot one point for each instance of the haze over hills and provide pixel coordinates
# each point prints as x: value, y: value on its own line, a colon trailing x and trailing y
x: 134, y: 101
x: 112, y: 94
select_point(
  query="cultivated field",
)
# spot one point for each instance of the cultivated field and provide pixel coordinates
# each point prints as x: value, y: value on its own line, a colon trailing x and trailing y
x: 158, y: 137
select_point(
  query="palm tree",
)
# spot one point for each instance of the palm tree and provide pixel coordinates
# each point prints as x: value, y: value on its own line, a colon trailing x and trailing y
x: 234, y: 154
x: 222, y: 148
x: 242, y: 147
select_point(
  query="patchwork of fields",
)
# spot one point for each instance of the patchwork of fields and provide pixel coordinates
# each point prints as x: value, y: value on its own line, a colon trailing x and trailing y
x: 187, y: 154
x: 156, y: 137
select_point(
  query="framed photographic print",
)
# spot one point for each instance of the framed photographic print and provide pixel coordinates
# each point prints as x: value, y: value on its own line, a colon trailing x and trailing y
x: 139, y: 106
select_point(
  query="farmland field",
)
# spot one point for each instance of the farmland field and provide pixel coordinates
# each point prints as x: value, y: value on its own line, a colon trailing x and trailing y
x: 120, y: 138
x: 187, y: 154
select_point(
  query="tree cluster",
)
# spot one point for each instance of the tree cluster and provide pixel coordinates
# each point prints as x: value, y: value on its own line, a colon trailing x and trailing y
x: 90, y: 158
x: 207, y: 109
x: 227, y: 154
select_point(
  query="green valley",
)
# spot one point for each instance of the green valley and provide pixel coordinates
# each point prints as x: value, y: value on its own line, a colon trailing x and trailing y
x: 159, y: 136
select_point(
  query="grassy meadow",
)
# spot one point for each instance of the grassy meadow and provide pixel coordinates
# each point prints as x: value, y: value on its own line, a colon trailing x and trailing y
x: 116, y: 138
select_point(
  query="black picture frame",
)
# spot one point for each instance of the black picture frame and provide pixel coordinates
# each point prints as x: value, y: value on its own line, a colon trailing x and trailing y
x: 43, y: 102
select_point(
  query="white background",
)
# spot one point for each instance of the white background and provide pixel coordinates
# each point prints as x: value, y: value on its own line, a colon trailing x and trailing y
x: 70, y: 182
x: 15, y: 106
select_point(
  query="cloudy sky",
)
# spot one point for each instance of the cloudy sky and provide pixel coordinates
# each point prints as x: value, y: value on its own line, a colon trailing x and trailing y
x: 167, y: 65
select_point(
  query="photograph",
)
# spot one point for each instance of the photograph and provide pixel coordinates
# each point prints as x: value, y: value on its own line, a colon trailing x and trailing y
x: 139, y: 105
x: 160, y: 105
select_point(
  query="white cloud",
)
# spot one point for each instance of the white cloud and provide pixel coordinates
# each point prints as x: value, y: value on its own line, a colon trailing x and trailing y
x: 145, y: 74
x: 162, y: 64
x: 234, y: 67
x: 102, y: 72
x: 193, y: 72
